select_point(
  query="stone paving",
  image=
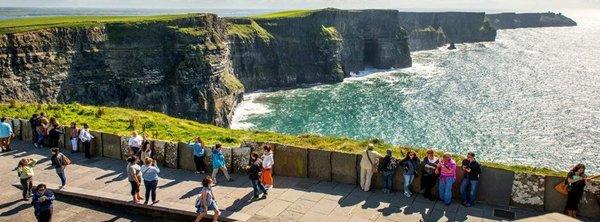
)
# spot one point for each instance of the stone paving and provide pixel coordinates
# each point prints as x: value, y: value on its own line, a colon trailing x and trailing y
x: 292, y: 199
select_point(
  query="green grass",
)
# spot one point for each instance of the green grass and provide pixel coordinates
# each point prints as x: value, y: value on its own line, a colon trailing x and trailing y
x: 284, y: 14
x: 249, y: 31
x: 331, y: 33
x: 36, y: 23
x: 122, y: 121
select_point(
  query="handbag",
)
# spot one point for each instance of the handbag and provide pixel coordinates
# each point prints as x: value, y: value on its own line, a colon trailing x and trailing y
x: 561, y: 188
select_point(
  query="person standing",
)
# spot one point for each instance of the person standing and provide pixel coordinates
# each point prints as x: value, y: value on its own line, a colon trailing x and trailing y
x: 576, y: 181
x: 54, y: 132
x: 33, y: 123
x: 6, y: 134
x: 42, y: 203
x: 369, y: 161
x: 42, y: 130
x: 267, y: 167
x: 218, y: 163
x: 255, y: 169
x: 25, y: 173
x: 74, y: 137
x: 410, y: 164
x: 447, y: 170
x: 146, y: 149
x: 429, y: 177
x: 60, y: 162
x: 135, y: 143
x: 86, y: 140
x: 134, y: 175
x: 206, y: 201
x: 150, y: 175
x: 469, y: 183
x: 198, y: 154
x: 387, y: 169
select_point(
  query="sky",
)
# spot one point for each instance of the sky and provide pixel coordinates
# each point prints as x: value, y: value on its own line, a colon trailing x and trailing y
x: 465, y: 5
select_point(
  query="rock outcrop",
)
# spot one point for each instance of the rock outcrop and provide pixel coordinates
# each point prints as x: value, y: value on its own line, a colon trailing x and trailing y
x: 528, y: 20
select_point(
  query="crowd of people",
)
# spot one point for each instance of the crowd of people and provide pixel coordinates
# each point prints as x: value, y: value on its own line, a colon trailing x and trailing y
x: 142, y: 168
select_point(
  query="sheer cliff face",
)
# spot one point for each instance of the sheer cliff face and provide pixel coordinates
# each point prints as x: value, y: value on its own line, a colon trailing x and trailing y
x: 429, y: 30
x: 527, y: 20
x: 179, y: 67
x: 323, y: 47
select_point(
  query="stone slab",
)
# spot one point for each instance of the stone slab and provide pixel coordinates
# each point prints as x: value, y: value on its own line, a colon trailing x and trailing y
x: 528, y: 191
x: 124, y: 147
x: 228, y: 155
x: 26, y: 131
x: 553, y: 200
x: 171, y: 154
x: 16, y: 127
x: 159, y: 151
x: 344, y: 168
x: 186, y: 157
x: 290, y: 161
x: 97, y: 145
x: 319, y: 164
x: 589, y: 205
x: 111, y: 145
x: 495, y: 186
x: 240, y: 157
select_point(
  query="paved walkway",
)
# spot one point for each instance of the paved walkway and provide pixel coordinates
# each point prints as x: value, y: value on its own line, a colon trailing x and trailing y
x: 292, y: 199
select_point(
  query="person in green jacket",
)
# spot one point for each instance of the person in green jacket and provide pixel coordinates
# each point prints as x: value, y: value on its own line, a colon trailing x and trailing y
x: 25, y: 172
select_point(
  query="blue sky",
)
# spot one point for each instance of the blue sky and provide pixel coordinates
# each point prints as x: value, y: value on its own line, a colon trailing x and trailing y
x: 508, y: 5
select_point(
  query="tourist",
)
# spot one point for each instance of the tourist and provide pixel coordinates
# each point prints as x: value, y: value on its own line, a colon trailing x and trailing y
x: 6, y: 134
x: 60, y: 162
x: 429, y: 177
x: 198, y: 154
x: 218, y: 163
x: 469, y: 183
x: 135, y: 143
x: 146, y: 148
x: 25, y: 173
x: 86, y: 140
x: 150, y: 175
x: 134, y: 175
x: 447, y: 170
x: 54, y: 132
x: 387, y: 169
x: 410, y: 164
x: 74, y: 137
x: 42, y: 203
x: 206, y: 201
x: 42, y: 129
x: 254, y: 173
x: 267, y: 167
x: 33, y: 123
x: 368, y: 163
x: 576, y: 181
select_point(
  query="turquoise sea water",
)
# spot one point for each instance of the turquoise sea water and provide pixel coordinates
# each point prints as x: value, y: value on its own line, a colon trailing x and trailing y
x: 531, y: 97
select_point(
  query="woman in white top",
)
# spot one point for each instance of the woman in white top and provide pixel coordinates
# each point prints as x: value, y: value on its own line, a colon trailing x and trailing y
x: 135, y: 143
x: 267, y: 167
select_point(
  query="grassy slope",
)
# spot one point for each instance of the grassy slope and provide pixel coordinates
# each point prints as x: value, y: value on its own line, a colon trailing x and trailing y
x: 249, y: 31
x: 284, y: 14
x: 35, y: 23
x: 163, y: 127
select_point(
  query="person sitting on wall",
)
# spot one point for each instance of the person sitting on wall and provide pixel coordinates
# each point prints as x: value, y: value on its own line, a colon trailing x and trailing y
x: 368, y: 163
x: 6, y: 134
x: 469, y: 184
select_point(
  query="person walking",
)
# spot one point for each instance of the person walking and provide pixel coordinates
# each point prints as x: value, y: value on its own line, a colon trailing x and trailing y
x: 134, y: 175
x: 198, y: 154
x: 74, y: 137
x: 267, y: 167
x: 42, y: 203
x: 150, y: 175
x: 387, y: 169
x: 255, y: 170
x: 86, y: 140
x: 42, y: 130
x: 33, y: 123
x: 429, y: 177
x: 368, y: 163
x: 410, y: 164
x: 135, y: 144
x: 25, y: 173
x: 60, y: 162
x: 576, y: 181
x: 54, y: 132
x: 469, y: 183
x: 447, y: 171
x: 218, y: 163
x: 6, y: 134
x: 206, y: 201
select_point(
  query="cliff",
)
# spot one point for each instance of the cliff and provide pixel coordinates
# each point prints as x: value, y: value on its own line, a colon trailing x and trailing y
x: 528, y: 20
x: 179, y: 67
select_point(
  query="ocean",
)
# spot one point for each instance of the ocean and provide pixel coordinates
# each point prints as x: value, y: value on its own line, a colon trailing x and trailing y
x: 531, y: 97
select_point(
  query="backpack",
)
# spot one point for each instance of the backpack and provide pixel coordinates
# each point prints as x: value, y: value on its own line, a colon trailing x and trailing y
x: 392, y: 165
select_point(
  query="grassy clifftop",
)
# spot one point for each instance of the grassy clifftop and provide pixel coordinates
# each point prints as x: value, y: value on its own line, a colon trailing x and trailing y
x: 122, y: 121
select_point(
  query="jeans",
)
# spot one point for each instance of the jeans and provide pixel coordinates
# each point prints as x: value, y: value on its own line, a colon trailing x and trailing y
x: 445, y: 189
x: 40, y: 138
x: 27, y: 185
x: 151, y: 189
x: 199, y: 161
x: 61, y: 174
x: 386, y: 178
x: 471, y: 185
x: 408, y: 179
x: 256, y: 185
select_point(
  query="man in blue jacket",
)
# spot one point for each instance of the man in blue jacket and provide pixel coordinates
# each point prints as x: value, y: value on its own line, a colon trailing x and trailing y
x: 42, y: 203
